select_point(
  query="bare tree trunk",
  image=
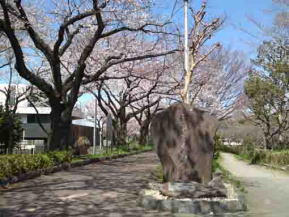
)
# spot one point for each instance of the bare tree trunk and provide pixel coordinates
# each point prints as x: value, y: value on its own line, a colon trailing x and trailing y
x: 121, y: 133
x: 60, y: 137
x: 144, y: 131
x: 10, y: 144
x: 121, y: 127
x: 268, y: 141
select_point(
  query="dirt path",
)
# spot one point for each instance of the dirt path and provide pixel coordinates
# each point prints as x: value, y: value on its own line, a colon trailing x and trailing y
x: 267, y: 190
x: 103, y: 189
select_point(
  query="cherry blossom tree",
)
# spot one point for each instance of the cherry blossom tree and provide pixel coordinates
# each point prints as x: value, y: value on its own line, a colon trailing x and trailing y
x: 117, y: 102
x: 134, y: 88
x: 145, y: 116
x: 217, y: 84
x: 64, y: 39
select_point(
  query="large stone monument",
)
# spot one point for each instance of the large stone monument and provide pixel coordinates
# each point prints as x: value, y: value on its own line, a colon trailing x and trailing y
x: 184, y: 139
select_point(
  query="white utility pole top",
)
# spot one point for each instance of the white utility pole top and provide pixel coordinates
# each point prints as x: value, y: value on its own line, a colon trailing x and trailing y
x: 186, y: 41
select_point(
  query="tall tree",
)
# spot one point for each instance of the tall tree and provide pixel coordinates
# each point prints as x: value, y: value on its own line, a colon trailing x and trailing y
x: 119, y: 102
x: 217, y: 84
x: 75, y: 30
x: 10, y: 125
x: 145, y: 116
x: 268, y: 91
x: 10, y: 130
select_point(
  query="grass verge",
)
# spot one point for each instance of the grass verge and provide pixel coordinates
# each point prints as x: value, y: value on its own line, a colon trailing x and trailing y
x: 274, y: 158
x: 228, y: 177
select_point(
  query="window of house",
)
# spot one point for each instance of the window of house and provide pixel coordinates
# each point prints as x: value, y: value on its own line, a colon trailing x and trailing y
x: 32, y: 118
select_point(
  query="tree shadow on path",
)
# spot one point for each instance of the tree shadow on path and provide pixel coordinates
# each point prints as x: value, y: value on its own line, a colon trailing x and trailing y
x: 108, y: 188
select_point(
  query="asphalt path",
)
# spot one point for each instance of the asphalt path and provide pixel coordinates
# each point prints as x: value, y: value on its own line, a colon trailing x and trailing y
x: 267, y: 190
x: 108, y: 188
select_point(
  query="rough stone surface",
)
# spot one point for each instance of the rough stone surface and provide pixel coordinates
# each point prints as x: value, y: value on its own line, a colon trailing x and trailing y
x: 217, y: 183
x: 153, y: 199
x: 183, y: 136
x: 192, y: 190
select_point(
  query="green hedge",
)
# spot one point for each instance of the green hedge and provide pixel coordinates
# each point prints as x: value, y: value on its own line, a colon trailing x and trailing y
x: 276, y: 158
x: 16, y: 164
x: 60, y: 157
x: 259, y: 156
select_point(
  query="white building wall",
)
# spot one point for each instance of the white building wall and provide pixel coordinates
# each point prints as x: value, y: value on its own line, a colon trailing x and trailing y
x: 23, y: 108
x: 23, y: 118
x: 2, y: 98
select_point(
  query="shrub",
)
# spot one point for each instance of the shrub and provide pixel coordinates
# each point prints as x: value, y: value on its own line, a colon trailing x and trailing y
x: 10, y: 130
x: 133, y: 145
x: 15, y: 164
x: 5, y: 167
x: 279, y: 158
x: 40, y: 161
x: 81, y: 146
x: 249, y: 144
x: 218, y: 145
x: 60, y: 157
x: 232, y: 149
x: 257, y: 157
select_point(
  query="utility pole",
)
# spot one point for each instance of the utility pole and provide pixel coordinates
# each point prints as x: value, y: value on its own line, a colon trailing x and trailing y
x: 94, y: 129
x: 186, y: 50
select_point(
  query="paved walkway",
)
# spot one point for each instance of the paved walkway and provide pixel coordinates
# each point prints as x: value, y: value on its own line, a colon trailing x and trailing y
x: 108, y: 188
x: 268, y: 190
x: 111, y: 188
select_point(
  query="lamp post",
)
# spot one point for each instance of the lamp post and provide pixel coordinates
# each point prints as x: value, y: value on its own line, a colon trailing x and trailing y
x: 94, y: 128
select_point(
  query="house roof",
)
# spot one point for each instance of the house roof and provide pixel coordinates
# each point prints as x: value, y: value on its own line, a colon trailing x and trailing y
x: 43, y: 110
x: 83, y: 122
x: 31, y: 110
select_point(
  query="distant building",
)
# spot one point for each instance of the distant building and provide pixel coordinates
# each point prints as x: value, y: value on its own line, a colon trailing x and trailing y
x: 33, y: 134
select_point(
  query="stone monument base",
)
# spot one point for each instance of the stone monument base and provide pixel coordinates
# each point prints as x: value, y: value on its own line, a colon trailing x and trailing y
x: 153, y: 198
